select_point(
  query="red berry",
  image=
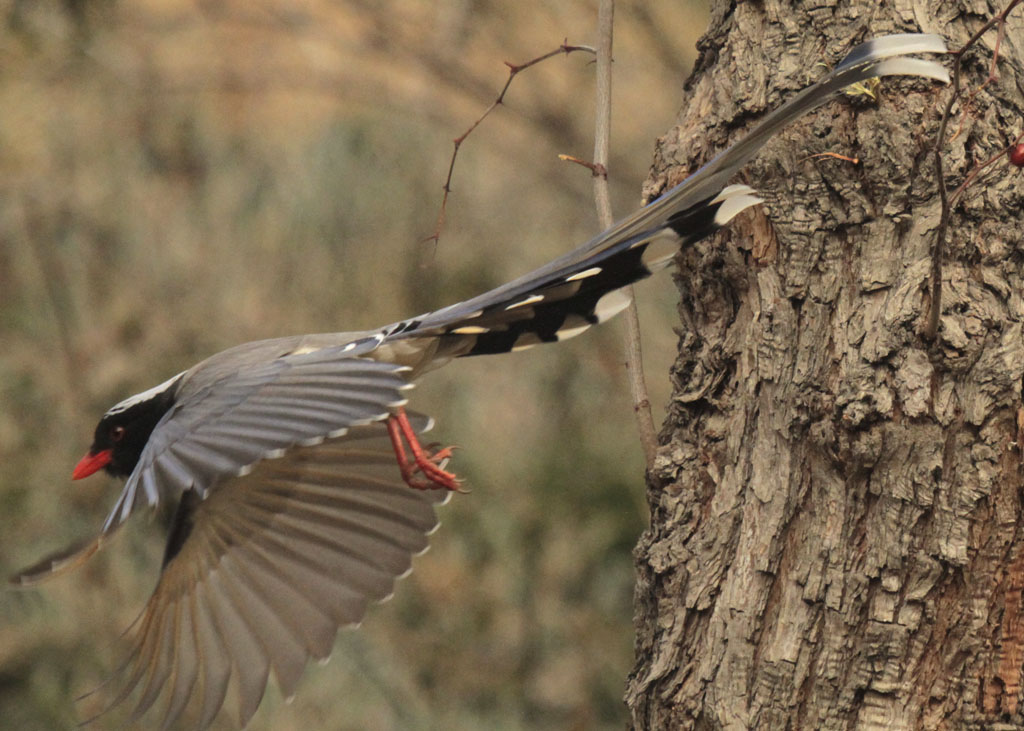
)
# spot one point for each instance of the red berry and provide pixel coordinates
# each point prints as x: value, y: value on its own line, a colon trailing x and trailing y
x: 1017, y: 155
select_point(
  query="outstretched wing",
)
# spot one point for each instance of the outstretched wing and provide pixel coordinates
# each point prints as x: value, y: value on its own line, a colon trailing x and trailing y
x: 259, y: 576
x: 220, y: 428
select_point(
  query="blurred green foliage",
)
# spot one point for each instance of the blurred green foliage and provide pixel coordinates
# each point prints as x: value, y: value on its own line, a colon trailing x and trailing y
x: 178, y: 178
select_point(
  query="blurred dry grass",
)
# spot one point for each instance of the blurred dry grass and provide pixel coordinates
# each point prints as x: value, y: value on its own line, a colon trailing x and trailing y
x: 176, y: 178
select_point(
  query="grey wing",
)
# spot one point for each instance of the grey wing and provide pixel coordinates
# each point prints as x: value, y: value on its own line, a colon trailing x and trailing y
x: 221, y: 428
x: 260, y: 575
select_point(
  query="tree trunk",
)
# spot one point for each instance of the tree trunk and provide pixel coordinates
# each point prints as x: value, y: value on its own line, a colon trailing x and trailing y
x: 835, y: 534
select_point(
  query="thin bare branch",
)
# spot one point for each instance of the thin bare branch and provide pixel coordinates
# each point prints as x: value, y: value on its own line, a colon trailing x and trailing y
x: 834, y: 156
x: 999, y: 21
x: 603, y: 110
x: 602, y: 133
x: 513, y: 71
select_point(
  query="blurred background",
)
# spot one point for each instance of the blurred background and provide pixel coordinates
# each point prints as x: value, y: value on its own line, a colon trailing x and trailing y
x: 176, y: 178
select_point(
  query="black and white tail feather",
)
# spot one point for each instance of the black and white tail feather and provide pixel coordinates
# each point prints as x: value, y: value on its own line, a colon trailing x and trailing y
x: 565, y: 297
x: 291, y: 517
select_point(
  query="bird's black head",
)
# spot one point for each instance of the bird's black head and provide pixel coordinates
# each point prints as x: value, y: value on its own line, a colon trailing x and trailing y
x: 124, y: 430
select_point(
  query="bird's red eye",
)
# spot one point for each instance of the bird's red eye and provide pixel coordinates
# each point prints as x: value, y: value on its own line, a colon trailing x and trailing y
x: 117, y: 433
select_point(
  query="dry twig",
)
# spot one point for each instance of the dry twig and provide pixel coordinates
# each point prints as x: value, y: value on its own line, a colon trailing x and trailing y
x: 999, y: 21
x: 513, y: 70
x: 602, y: 133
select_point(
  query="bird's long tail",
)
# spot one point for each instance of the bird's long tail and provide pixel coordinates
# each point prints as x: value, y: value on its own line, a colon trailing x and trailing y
x: 582, y: 288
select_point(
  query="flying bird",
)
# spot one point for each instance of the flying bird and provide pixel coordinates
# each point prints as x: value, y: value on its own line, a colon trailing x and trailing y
x: 301, y: 489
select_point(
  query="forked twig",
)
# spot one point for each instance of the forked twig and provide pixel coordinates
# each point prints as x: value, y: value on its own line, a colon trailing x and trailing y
x: 599, y: 168
x: 513, y: 71
x: 999, y: 21
x: 981, y: 167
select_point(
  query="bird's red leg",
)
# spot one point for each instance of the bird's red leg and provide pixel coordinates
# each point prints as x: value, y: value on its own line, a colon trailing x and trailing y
x: 427, y: 464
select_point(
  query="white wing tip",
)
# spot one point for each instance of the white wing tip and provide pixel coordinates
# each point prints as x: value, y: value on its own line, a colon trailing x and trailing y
x: 436, y: 527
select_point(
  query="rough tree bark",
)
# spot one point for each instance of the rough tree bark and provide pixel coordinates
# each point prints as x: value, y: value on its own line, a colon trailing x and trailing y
x: 836, y: 537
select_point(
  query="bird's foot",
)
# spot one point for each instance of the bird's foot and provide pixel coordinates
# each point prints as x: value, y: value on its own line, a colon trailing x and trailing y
x: 424, y: 470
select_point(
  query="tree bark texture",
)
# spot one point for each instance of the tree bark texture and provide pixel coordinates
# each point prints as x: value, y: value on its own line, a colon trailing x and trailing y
x: 836, y: 532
